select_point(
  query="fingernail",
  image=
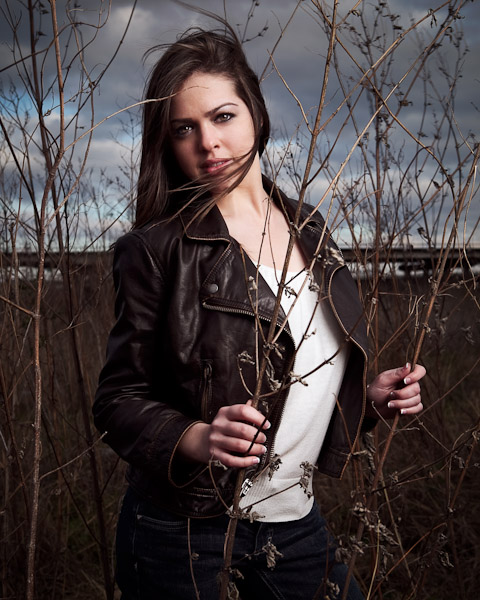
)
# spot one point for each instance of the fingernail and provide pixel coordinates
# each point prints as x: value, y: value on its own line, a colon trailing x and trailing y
x: 391, y: 405
x: 392, y: 394
x: 255, y: 460
x: 407, y: 380
x: 407, y: 365
x: 267, y: 425
x: 403, y: 411
x: 264, y: 449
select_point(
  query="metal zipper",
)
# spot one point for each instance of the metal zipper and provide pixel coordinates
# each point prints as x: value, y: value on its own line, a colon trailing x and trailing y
x: 206, y: 389
x: 339, y: 321
x: 281, y: 400
x: 248, y: 482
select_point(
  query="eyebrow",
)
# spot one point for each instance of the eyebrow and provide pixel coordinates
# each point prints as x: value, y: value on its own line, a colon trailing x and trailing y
x: 210, y: 113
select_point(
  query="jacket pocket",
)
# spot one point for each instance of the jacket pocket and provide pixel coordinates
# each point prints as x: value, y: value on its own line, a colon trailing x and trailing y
x: 206, y: 391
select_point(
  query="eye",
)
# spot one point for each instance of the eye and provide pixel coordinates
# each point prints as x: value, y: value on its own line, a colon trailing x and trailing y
x: 182, y: 130
x: 223, y: 117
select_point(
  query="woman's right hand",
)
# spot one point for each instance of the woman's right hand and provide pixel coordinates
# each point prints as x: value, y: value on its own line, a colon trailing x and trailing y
x: 228, y: 438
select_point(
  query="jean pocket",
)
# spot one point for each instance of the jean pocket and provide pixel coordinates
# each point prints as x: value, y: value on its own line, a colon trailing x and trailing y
x: 158, y: 518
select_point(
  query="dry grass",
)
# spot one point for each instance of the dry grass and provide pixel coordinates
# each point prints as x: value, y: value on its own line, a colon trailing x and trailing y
x: 429, y: 548
x: 427, y: 510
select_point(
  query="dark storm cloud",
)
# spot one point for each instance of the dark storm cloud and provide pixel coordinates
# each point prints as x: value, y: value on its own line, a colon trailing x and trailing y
x: 299, y: 58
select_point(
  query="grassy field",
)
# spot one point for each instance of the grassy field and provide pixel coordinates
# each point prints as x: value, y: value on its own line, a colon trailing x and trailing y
x: 421, y: 534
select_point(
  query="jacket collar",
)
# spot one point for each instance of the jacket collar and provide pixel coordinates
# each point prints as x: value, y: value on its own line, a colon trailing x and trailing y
x: 212, y: 226
x: 234, y: 284
x: 329, y: 258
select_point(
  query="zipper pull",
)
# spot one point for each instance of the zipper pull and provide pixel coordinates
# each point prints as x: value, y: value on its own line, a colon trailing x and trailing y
x: 246, y: 485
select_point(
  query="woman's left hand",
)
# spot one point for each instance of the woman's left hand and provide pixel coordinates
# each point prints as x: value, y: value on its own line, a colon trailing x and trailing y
x: 395, y: 390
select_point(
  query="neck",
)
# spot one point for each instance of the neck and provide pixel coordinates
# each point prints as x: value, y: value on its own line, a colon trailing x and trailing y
x: 248, y: 197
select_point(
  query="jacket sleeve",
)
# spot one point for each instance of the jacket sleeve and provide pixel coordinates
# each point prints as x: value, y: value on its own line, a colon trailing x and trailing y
x: 132, y: 403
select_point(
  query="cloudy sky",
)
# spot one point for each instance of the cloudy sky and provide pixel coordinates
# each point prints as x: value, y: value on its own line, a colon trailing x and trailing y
x: 299, y: 58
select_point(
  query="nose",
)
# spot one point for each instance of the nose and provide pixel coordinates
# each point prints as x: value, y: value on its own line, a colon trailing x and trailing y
x: 208, y: 138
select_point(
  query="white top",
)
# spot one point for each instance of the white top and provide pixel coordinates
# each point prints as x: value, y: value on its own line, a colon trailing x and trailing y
x: 310, y: 402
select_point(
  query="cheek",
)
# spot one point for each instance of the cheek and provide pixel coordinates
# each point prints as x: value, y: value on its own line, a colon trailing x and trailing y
x: 248, y: 137
x: 182, y: 155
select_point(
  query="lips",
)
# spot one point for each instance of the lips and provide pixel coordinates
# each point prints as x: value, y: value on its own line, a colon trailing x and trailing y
x: 213, y: 165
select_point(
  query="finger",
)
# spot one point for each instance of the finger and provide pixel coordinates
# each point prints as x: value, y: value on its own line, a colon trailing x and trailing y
x: 226, y: 448
x: 392, y: 377
x: 223, y: 429
x: 418, y: 372
x: 236, y: 436
x: 405, y: 393
x: 237, y: 446
x: 245, y: 412
x: 407, y: 403
x: 236, y: 462
x: 413, y: 410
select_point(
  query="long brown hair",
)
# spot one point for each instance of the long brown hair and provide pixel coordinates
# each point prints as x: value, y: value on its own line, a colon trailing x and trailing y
x: 161, y: 187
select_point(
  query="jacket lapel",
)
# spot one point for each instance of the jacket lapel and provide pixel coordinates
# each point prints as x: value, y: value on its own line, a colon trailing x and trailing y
x: 234, y: 284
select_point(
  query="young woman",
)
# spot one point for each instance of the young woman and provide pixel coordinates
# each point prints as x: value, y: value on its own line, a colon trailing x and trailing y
x: 196, y: 283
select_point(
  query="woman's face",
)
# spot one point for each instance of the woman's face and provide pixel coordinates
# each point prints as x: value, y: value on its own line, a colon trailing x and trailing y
x: 210, y: 127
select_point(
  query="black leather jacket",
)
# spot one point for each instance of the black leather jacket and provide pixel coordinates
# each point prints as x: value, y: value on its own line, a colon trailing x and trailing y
x: 184, y: 344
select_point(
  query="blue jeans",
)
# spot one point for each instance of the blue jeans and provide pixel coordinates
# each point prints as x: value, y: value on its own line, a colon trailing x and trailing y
x: 161, y: 556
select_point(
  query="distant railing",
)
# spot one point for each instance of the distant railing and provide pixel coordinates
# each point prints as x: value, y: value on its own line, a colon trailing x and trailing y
x: 405, y: 259
x: 412, y: 259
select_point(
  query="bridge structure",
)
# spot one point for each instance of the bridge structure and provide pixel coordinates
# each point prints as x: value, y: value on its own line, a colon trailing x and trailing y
x: 404, y: 258
x: 413, y: 259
